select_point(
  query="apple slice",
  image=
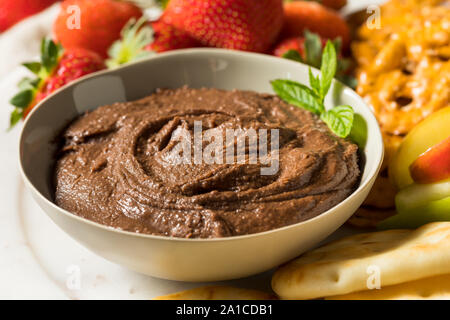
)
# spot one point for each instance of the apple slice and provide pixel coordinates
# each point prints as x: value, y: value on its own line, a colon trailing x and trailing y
x: 431, y: 212
x: 434, y: 129
x: 433, y: 165
x: 418, y: 195
x: 418, y: 204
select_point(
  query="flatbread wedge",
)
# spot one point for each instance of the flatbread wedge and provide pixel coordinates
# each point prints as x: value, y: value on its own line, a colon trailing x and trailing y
x: 345, y: 266
x: 218, y: 293
x: 434, y: 288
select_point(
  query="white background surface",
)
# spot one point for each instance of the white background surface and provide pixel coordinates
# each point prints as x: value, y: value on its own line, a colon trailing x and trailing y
x: 36, y: 258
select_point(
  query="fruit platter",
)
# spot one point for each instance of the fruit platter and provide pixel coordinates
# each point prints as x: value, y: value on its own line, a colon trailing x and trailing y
x: 117, y: 122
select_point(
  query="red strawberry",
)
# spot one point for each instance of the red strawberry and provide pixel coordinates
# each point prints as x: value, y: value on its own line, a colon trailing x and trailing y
x: 286, y: 45
x: 57, y: 68
x: 250, y: 25
x: 74, y: 63
x: 297, y: 44
x: 141, y: 39
x: 333, y: 4
x: 100, y: 23
x: 13, y: 11
x: 303, y: 15
x: 167, y: 37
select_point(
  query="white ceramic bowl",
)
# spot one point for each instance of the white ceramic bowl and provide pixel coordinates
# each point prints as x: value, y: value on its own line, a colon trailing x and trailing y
x: 174, y: 258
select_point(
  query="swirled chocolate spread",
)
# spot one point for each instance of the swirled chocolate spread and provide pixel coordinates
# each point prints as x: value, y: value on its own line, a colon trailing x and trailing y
x: 169, y: 164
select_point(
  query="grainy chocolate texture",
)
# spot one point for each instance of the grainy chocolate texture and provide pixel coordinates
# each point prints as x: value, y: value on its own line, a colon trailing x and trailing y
x: 115, y: 168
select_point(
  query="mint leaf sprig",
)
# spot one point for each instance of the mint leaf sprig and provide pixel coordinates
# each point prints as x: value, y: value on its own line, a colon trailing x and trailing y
x: 339, y: 119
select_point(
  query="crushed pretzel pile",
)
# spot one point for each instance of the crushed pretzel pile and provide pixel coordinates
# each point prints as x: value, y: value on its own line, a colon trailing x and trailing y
x: 403, y: 72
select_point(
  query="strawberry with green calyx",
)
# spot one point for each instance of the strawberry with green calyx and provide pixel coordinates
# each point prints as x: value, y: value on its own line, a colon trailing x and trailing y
x: 98, y: 24
x: 308, y: 49
x: 57, y: 68
x: 248, y: 25
x: 167, y: 37
x: 142, y: 39
x: 135, y: 37
x: 339, y: 119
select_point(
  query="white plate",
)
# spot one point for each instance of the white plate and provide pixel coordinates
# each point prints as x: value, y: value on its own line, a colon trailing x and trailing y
x: 39, y: 261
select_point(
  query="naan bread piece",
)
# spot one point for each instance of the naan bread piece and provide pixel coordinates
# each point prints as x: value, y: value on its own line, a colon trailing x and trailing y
x: 218, y: 293
x: 345, y: 266
x: 434, y: 288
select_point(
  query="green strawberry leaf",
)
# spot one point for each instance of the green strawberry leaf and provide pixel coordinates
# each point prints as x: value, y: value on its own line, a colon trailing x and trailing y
x: 162, y: 3
x: 28, y: 83
x: 339, y: 120
x: 135, y: 37
x: 34, y: 67
x: 328, y: 68
x: 293, y: 55
x: 297, y: 94
x: 15, y: 117
x: 22, y: 99
x: 313, y: 49
x: 25, y: 83
x: 50, y: 53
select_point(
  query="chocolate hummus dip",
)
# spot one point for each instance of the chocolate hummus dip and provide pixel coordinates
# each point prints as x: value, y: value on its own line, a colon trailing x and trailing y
x: 115, y: 166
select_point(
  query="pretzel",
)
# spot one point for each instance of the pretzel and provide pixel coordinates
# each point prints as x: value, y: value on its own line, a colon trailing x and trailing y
x: 382, y: 195
x: 403, y: 72
x: 404, y: 67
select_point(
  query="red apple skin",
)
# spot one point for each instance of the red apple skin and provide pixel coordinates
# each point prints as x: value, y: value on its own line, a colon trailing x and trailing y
x: 433, y: 165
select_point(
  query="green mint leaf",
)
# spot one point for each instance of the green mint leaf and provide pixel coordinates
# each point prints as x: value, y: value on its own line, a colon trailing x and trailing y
x: 22, y: 99
x: 358, y: 134
x: 339, y: 120
x: 314, y: 82
x: 293, y: 55
x: 34, y: 67
x: 328, y: 68
x: 15, y: 117
x: 297, y: 94
x: 313, y: 49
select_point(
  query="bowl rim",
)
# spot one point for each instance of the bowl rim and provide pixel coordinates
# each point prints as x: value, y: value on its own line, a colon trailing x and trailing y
x: 197, y: 51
